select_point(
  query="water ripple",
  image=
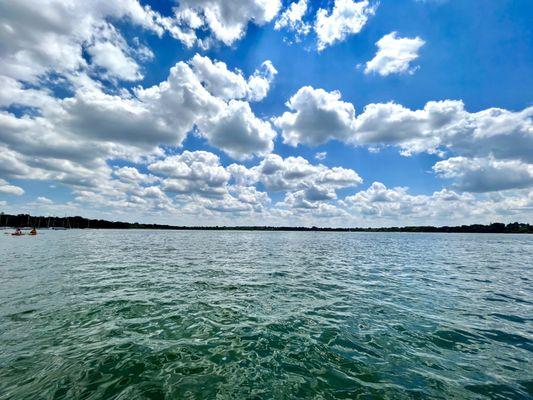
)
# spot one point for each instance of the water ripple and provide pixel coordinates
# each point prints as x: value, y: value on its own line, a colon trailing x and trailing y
x: 265, y: 315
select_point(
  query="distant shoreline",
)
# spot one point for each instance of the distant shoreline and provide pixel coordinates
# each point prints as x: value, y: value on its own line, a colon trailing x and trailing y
x: 77, y: 222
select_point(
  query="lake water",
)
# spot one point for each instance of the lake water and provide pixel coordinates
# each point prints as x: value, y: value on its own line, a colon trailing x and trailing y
x: 265, y: 315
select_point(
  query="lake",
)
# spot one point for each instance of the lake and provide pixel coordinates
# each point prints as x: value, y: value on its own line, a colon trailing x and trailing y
x: 88, y: 314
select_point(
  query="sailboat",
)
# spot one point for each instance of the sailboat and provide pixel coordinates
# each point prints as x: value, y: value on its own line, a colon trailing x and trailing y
x: 62, y: 228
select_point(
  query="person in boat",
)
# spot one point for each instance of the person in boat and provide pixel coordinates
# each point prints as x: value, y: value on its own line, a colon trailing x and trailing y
x: 18, y: 232
x: 33, y: 231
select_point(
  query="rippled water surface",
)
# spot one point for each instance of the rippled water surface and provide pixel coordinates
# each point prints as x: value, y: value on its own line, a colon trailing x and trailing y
x: 265, y: 315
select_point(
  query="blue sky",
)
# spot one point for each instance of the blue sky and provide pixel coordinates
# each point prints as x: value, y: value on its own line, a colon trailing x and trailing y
x: 200, y: 111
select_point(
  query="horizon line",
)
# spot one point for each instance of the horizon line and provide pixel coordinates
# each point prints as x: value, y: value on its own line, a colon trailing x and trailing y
x: 80, y: 222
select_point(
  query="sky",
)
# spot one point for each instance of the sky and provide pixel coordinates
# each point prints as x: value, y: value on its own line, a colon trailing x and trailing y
x: 268, y: 112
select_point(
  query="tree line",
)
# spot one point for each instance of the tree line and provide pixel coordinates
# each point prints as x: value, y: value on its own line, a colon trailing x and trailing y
x: 77, y: 222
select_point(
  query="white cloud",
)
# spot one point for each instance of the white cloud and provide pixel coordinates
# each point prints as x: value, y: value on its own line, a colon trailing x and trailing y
x: 308, y: 199
x: 492, y: 148
x: 218, y: 80
x: 201, y: 184
x: 132, y: 174
x: 6, y: 188
x: 485, y: 174
x: 250, y: 195
x: 167, y: 112
x: 317, y: 116
x: 227, y: 20
x: 14, y: 93
x: 188, y: 99
x: 44, y: 200
x: 292, y: 18
x: 395, y: 55
x: 446, y: 125
x: 395, y: 206
x: 180, y: 102
x: 95, y: 115
x: 43, y: 37
x: 307, y: 187
x: 223, y: 83
x: 113, y: 58
x: 321, y: 155
x: 259, y: 83
x: 194, y: 188
x: 295, y: 173
x: 382, y: 202
x: 238, y: 132
x: 196, y: 172
x: 71, y: 139
x: 39, y: 37
x: 348, y: 17
x: 76, y: 140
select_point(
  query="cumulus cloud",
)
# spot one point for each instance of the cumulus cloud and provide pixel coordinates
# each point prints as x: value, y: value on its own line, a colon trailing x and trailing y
x: 238, y: 132
x: 259, y: 82
x: 378, y: 201
x: 94, y: 125
x: 6, y: 188
x: 250, y: 195
x: 110, y: 52
x: 346, y: 18
x: 492, y: 148
x: 316, y: 116
x: 196, y: 172
x: 201, y: 184
x: 292, y: 18
x: 189, y: 99
x: 40, y: 37
x: 446, y: 125
x: 217, y: 79
x: 227, y: 21
x: 115, y: 146
x: 395, y: 55
x: 111, y: 57
x: 308, y: 199
x: 194, y: 186
x: 389, y: 205
x: 485, y: 174
x: 306, y: 185
x: 73, y: 140
x: 14, y: 93
x: 96, y: 115
x: 180, y: 101
x: 132, y: 174
x: 226, y: 84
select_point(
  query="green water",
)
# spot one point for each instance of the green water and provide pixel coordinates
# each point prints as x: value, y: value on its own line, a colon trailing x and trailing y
x: 265, y: 315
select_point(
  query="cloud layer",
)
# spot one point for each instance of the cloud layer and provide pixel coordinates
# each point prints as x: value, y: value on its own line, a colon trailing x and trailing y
x: 199, y: 145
